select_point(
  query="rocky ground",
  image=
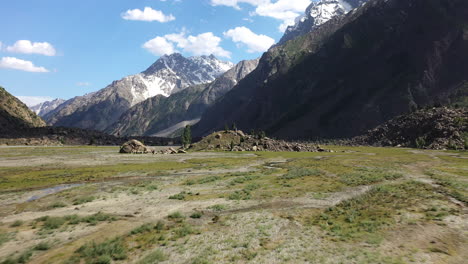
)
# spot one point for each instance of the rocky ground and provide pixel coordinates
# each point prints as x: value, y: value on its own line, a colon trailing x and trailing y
x: 355, y: 205
x: 237, y: 140
x: 433, y: 128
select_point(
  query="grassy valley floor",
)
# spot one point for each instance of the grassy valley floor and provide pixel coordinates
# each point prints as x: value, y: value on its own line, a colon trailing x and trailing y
x: 353, y: 205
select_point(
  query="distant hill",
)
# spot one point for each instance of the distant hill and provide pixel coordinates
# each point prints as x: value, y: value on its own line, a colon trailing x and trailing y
x: 15, y: 115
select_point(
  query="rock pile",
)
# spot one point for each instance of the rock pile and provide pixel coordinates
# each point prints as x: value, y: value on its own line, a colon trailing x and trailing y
x: 435, y: 128
x: 239, y: 141
x: 134, y: 147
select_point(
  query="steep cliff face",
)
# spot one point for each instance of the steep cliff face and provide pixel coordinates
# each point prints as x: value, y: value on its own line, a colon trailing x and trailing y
x: 15, y: 115
x: 162, y: 116
x: 386, y: 58
x: 168, y: 75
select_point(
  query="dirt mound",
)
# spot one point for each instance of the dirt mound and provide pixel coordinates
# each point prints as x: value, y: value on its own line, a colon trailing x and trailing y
x: 435, y: 128
x: 239, y: 141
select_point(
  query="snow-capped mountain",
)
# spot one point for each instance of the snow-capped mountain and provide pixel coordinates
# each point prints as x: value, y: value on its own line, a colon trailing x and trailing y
x: 317, y: 14
x: 168, y: 75
x: 45, y: 107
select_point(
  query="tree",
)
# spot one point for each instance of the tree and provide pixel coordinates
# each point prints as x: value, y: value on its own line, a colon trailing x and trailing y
x: 186, y: 136
x: 226, y: 128
x: 234, y: 127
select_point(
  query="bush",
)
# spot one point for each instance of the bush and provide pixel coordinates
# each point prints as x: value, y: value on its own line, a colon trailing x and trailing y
x: 420, y: 142
x: 105, y: 252
x: 42, y: 246
x: 17, y: 223
x: 176, y: 215
x: 196, y: 215
x: 179, y: 196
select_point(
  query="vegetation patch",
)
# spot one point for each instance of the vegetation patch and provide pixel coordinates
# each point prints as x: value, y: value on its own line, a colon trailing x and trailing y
x: 374, y: 211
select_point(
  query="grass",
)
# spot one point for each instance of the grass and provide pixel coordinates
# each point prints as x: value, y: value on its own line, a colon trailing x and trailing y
x: 374, y: 211
x: 5, y: 237
x: 83, y: 200
x: 52, y: 223
x: 297, y: 173
x: 153, y: 257
x: 105, y: 252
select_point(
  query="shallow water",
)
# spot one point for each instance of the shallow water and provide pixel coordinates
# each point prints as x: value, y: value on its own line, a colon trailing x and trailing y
x: 52, y: 190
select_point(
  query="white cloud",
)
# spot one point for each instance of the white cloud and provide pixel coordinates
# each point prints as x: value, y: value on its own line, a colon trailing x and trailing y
x: 202, y: 44
x: 235, y: 3
x: 284, y: 10
x: 22, y: 65
x: 34, y: 100
x: 1, y: 45
x: 159, y: 46
x: 28, y: 47
x: 254, y: 42
x: 148, y: 14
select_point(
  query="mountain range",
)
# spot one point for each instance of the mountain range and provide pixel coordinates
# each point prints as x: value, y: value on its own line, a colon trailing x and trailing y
x: 45, y: 107
x: 163, y: 116
x: 345, y: 67
x: 354, y: 72
x: 168, y: 75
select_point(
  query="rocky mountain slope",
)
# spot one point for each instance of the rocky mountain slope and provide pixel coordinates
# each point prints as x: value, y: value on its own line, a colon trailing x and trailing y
x: 317, y: 14
x: 434, y: 128
x: 44, y: 108
x: 15, y: 115
x: 169, y: 74
x: 162, y: 116
x: 384, y: 59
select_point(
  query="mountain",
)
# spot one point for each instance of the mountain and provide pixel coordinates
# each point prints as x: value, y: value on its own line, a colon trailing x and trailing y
x: 164, y: 116
x: 317, y: 14
x: 46, y: 107
x: 169, y: 74
x: 15, y: 115
x: 384, y: 59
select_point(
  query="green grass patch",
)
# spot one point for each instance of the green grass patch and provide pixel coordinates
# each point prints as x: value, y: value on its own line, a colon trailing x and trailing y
x: 153, y: 257
x: 374, y: 211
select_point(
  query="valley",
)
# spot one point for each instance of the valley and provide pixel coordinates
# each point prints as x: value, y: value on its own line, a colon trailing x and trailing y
x: 352, y: 205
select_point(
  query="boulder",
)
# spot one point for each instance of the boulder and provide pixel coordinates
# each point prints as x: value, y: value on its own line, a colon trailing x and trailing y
x: 133, y: 146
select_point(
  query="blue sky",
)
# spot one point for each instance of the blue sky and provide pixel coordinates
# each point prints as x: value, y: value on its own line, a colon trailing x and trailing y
x: 70, y: 48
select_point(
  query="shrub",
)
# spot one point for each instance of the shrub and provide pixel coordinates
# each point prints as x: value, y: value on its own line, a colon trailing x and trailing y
x: 17, y: 223
x: 420, y: 142
x: 196, y: 215
x: 42, y: 246
x: 176, y: 215
x: 179, y: 196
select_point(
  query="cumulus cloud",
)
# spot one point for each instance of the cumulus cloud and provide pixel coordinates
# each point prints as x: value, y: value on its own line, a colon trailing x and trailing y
x: 284, y: 10
x: 254, y: 42
x: 28, y: 47
x: 22, y: 65
x: 34, y: 100
x: 148, y: 14
x: 202, y: 44
x: 159, y: 46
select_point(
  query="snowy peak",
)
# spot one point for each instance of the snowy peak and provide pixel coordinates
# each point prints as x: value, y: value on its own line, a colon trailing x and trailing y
x: 317, y: 14
x: 210, y: 66
x: 46, y: 107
